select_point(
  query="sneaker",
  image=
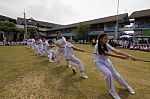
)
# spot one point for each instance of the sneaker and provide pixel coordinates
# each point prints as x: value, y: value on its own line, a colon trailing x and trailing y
x: 115, y: 96
x: 131, y: 90
x: 74, y: 70
x: 83, y: 75
x: 69, y: 65
x: 51, y: 61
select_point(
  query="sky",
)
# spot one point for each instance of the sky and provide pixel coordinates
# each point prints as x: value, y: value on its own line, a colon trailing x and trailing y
x: 69, y: 11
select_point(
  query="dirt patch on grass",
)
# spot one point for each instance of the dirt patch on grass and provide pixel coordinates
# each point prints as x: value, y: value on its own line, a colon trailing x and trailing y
x: 31, y: 86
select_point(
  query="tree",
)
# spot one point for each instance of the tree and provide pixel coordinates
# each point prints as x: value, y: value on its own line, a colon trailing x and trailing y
x: 31, y: 31
x: 8, y: 27
x: 82, y: 32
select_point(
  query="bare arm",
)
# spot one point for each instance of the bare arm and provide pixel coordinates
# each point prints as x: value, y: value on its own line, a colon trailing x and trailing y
x: 52, y: 46
x: 115, y: 55
x: 123, y: 54
x: 75, y: 48
x: 60, y: 46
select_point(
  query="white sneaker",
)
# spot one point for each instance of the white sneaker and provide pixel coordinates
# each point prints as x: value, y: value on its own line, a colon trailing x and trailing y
x: 51, y: 61
x: 83, y: 75
x: 131, y: 90
x: 115, y: 96
x: 69, y: 65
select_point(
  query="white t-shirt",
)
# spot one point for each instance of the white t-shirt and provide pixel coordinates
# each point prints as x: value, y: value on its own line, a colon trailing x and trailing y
x: 40, y: 45
x: 39, y: 41
x: 45, y: 43
x: 60, y: 41
x: 33, y: 41
x: 29, y: 41
x: 68, y: 50
x: 101, y: 58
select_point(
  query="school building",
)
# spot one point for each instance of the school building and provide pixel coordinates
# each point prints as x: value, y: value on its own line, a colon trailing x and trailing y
x: 40, y: 26
x: 96, y: 26
x: 141, y: 22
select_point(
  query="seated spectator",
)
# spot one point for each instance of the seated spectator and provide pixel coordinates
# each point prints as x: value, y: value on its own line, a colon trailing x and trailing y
x: 146, y: 48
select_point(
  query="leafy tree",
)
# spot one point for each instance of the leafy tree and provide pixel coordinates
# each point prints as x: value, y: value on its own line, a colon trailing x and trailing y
x: 31, y: 31
x: 8, y: 27
x: 82, y: 32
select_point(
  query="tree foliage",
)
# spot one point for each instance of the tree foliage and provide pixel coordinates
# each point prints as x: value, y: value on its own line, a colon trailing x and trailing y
x: 82, y: 31
x: 31, y: 31
x: 8, y: 27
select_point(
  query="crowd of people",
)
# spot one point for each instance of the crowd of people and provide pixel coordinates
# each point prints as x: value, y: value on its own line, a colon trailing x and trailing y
x: 140, y: 47
x: 130, y: 45
x: 12, y: 43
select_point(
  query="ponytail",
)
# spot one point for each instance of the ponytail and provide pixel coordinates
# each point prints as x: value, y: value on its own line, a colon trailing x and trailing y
x: 101, y: 50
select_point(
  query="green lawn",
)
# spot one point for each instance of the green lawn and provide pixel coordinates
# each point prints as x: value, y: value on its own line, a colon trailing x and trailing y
x: 25, y: 75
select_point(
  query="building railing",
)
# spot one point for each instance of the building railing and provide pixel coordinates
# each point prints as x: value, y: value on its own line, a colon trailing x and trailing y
x: 63, y: 33
x: 96, y: 32
x: 110, y: 29
x: 140, y: 26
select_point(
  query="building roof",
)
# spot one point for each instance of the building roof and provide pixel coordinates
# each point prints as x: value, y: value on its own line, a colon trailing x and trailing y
x: 5, y: 17
x: 139, y: 14
x: 39, y: 23
x: 1, y: 16
x: 121, y: 18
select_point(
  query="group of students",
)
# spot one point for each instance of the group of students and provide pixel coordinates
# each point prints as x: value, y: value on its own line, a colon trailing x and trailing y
x: 101, y: 58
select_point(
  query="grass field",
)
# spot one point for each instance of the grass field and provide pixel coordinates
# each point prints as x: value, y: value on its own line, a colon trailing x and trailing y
x: 25, y: 75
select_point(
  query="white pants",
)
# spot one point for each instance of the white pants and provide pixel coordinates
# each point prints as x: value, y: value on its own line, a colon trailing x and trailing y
x: 51, y: 54
x: 29, y: 44
x: 76, y: 61
x: 40, y: 49
x: 109, y: 71
x: 58, y: 52
x: 44, y: 50
x: 33, y: 46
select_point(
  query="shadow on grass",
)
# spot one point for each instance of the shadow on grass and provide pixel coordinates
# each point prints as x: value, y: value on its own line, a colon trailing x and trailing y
x: 54, y: 73
x: 123, y: 93
x: 105, y: 96
x: 44, y: 62
x: 69, y: 87
x: 66, y: 83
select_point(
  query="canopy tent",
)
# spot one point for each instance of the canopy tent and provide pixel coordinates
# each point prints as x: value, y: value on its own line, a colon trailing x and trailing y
x: 125, y: 36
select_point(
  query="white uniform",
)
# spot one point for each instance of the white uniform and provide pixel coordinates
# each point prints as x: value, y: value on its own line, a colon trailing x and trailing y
x: 33, y: 43
x: 45, y: 44
x: 40, y: 47
x: 59, y: 41
x: 69, y: 54
x: 36, y: 47
x: 51, y: 54
x: 29, y: 43
x: 106, y: 67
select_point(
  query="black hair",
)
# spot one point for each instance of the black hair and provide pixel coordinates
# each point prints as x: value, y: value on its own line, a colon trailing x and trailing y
x: 68, y: 37
x: 50, y: 42
x: 58, y: 37
x: 100, y: 49
x: 58, y: 32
